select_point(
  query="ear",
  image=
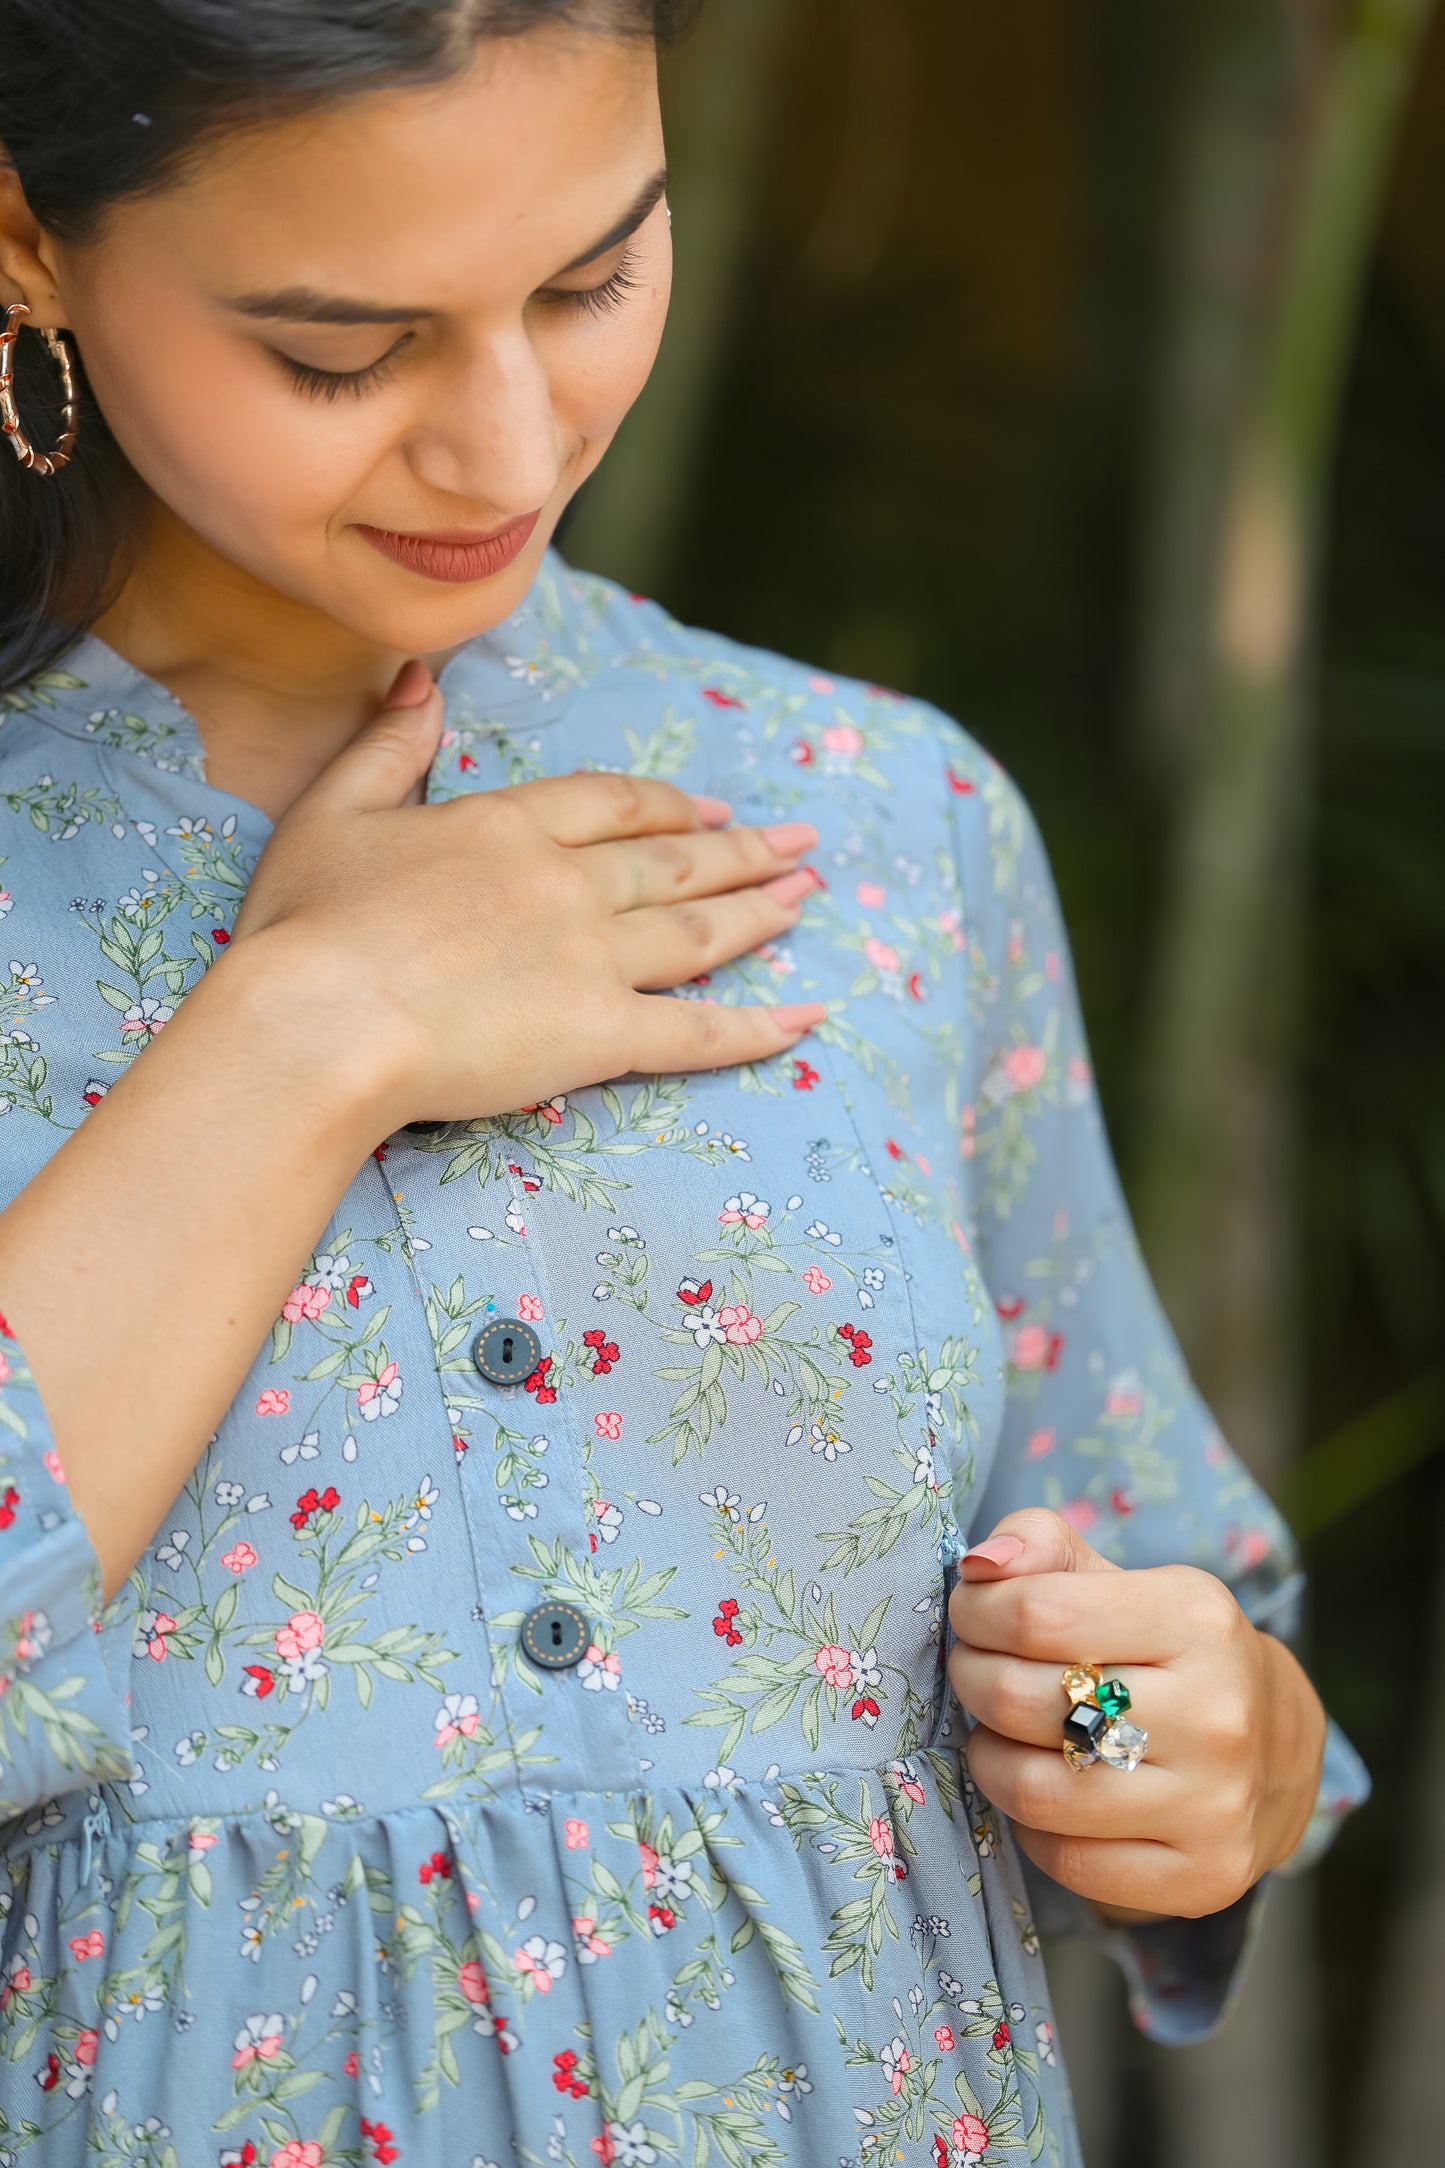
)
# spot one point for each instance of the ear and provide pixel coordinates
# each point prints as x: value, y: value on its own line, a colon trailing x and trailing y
x: 27, y: 267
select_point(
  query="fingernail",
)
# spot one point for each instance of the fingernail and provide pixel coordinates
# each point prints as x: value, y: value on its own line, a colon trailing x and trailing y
x: 790, y: 837
x: 716, y: 812
x: 998, y: 1550
x: 802, y: 1017
x: 790, y: 887
x: 413, y: 683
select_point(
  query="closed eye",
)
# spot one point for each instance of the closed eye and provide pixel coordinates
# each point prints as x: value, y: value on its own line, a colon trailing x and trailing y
x: 339, y: 383
x: 603, y: 300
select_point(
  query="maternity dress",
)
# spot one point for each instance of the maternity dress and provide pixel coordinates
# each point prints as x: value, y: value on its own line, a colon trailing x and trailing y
x: 526, y: 1739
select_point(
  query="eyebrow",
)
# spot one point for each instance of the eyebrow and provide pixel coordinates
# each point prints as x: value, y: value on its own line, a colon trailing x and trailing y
x: 305, y: 305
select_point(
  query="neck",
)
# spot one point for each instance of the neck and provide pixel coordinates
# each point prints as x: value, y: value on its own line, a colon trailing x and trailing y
x: 276, y: 688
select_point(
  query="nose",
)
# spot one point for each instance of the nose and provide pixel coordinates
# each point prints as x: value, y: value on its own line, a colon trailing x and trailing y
x: 490, y: 433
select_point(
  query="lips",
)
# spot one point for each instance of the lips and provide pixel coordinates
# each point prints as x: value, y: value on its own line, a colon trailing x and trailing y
x: 455, y: 555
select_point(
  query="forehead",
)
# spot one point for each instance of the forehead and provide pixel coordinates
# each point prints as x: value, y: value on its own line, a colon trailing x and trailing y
x: 505, y: 171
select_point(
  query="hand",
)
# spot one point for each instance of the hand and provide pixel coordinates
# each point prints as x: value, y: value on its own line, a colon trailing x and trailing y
x: 1236, y: 1731
x: 504, y: 946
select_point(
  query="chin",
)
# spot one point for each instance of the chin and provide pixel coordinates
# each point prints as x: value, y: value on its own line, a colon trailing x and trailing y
x: 410, y: 615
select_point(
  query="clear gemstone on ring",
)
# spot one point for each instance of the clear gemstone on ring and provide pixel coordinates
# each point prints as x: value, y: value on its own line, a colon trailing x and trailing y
x: 1123, y: 1744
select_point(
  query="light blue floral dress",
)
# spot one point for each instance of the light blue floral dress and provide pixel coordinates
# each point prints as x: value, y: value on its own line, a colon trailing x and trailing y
x: 551, y: 1760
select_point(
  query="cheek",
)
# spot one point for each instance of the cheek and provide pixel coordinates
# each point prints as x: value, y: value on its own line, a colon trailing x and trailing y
x: 596, y: 380
x: 254, y: 469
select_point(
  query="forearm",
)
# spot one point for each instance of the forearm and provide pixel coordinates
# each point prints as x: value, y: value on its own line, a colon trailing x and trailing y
x: 143, y: 1266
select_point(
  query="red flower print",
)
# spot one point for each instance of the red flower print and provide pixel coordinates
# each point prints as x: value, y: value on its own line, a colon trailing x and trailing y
x: 259, y: 1681
x: 49, y: 2078
x: 1001, y: 2034
x: 803, y: 753
x: 1036, y: 1349
x: 894, y: 1151
x: 805, y: 1076
x: 917, y: 990
x: 8, y: 1503
x: 564, y: 2075
x: 663, y: 1919
x: 529, y: 1182
x: 603, y: 2147
x: 859, y: 1344
x: 312, y: 1501
x: 437, y: 1865
x: 466, y: 762
x: 357, y: 1286
x: 865, y: 1711
x: 960, y: 783
x: 220, y: 936
x: 605, y: 1352
x: 719, y: 699
x: 1011, y: 1307
x: 537, y: 1382
x: 723, y: 1625
x: 1121, y: 1502
x: 692, y: 1292
x: 382, y: 2148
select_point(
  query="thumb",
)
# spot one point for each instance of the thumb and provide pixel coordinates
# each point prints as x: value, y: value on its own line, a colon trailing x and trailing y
x: 1033, y: 1540
x: 389, y: 755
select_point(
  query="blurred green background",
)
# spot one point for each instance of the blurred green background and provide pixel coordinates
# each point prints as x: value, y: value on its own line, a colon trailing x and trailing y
x: 1080, y: 366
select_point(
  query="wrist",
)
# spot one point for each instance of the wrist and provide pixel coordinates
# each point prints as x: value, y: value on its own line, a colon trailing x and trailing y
x: 1295, y: 1727
x: 327, y: 1028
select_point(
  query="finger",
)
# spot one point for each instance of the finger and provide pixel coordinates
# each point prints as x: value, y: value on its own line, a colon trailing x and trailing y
x: 1027, y: 1701
x: 676, y: 1035
x: 1036, y: 1786
x: 1033, y: 1540
x: 390, y: 754
x: 1153, y: 1615
x: 1135, y: 1874
x: 665, y: 948
x: 650, y: 870
x: 580, y: 809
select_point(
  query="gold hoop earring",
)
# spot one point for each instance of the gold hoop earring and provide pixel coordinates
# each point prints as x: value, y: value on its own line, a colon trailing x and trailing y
x: 39, y: 462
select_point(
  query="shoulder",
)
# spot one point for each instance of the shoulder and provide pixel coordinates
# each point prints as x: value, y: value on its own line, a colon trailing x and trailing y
x: 853, y: 738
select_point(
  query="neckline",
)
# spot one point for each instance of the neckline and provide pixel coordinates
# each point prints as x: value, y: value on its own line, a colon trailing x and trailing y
x: 505, y: 671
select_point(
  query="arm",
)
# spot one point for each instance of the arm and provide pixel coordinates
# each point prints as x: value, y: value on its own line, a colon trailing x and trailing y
x: 1102, y: 1423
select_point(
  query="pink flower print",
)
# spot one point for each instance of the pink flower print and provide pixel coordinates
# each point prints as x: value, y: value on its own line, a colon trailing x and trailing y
x: 239, y: 1558
x: 575, y: 1834
x: 91, y: 1945
x: 1024, y: 1067
x: 823, y: 685
x: 1256, y: 1547
x: 970, y: 2136
x: 299, y: 2153
x: 1042, y: 1442
x: 950, y: 923
x: 201, y: 1841
x: 86, y: 2047
x: 1123, y: 1402
x: 541, y: 1961
x: 649, y: 1864
x: 458, y: 1717
x: 1080, y: 1513
x: 908, y: 1782
x: 843, y: 738
x: 870, y: 895
x: 276, y: 1400
x: 351, y: 2068
x: 744, y: 1210
x: 50, y: 1457
x: 835, y: 1664
x: 303, y: 1630
x: 603, y: 2147
x: 529, y: 1309
x: 880, y: 1836
x: 258, y: 2040
x: 740, y: 1325
x: 305, y: 1304
x: 590, y: 1945
x: 896, y: 2062
x: 608, y: 1424
x: 4, y: 1368
x: 1036, y: 1349
x: 473, y: 1983
x: 880, y: 955
x: 150, y: 1635
x: 17, y: 1981
x: 943, y: 2039
x: 597, y: 1671
x: 380, y: 1395
x: 816, y: 1280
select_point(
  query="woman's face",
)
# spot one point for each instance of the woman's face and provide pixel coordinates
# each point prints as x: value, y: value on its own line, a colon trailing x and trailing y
x: 419, y: 314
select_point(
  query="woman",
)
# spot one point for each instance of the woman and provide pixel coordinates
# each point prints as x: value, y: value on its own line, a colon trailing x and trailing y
x: 518, y: 1723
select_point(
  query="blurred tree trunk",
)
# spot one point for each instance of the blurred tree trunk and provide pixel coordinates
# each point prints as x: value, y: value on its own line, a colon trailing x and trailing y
x: 719, y: 96
x: 1260, y: 364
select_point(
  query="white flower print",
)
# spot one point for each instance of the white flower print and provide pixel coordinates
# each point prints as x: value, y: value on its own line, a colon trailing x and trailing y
x: 745, y: 1210
x: 630, y: 2148
x: 705, y: 1325
x: 145, y: 1016
x: 896, y: 2061
x: 723, y: 1501
x: 597, y: 1670
x: 541, y: 1961
x: 380, y: 1395
x: 821, y: 1439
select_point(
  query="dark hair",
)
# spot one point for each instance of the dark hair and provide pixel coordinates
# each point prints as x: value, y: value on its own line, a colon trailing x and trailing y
x: 104, y: 99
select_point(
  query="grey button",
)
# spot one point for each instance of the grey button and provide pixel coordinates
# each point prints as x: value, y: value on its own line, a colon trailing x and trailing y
x: 506, y: 1351
x: 556, y: 1636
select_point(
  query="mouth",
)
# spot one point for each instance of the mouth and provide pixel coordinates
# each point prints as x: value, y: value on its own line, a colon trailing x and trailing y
x: 455, y: 554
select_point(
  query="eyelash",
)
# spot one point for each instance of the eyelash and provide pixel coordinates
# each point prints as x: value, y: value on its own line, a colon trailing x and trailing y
x: 603, y: 300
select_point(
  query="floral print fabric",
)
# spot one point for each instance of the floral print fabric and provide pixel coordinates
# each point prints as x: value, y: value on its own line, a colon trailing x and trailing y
x: 307, y: 1863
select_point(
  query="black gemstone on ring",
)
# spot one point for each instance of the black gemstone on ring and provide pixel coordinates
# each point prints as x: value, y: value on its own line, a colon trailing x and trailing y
x: 1084, y: 1726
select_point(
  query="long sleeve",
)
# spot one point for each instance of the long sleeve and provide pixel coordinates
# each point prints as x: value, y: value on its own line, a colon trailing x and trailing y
x: 63, y: 1722
x: 1102, y: 1422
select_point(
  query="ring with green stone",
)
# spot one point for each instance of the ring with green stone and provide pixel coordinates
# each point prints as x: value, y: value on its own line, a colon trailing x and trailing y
x: 1096, y: 1727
